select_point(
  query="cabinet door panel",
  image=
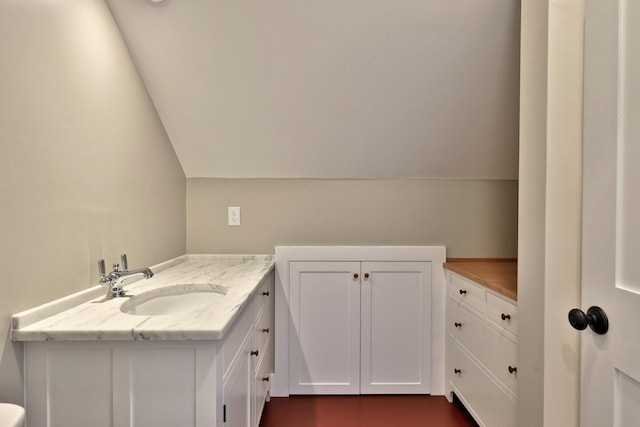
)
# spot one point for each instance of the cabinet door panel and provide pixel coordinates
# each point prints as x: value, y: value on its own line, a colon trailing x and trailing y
x: 396, y: 327
x: 237, y: 390
x: 325, y: 328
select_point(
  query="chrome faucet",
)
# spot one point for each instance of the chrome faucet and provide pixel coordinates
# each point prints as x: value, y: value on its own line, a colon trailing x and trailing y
x: 116, y: 278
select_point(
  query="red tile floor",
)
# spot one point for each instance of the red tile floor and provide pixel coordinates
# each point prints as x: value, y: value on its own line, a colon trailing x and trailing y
x: 364, y: 411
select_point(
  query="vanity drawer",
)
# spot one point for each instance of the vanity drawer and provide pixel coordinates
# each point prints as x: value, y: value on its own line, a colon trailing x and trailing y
x: 235, y: 339
x: 264, y: 328
x: 263, y: 295
x: 262, y: 382
x: 489, y: 404
x: 494, y: 350
x: 502, y: 313
x: 468, y: 292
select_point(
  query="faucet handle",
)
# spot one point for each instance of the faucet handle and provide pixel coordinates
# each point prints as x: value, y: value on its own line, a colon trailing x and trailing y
x: 104, y: 279
x: 125, y: 264
x: 101, y: 268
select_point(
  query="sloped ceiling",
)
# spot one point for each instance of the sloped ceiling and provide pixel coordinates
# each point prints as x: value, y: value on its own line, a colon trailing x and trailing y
x: 332, y: 88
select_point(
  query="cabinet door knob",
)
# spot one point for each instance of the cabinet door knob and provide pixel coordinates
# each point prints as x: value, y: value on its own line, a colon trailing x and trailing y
x: 457, y: 371
x: 462, y: 292
x: 457, y: 324
x: 266, y: 294
x: 513, y: 369
x: 254, y: 352
x: 356, y: 275
x: 505, y: 316
x: 366, y: 275
x: 265, y: 330
x: 266, y: 379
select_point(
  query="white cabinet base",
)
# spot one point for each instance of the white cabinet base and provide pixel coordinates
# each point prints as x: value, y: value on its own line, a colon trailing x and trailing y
x: 70, y: 384
x: 400, y: 304
x: 482, y: 351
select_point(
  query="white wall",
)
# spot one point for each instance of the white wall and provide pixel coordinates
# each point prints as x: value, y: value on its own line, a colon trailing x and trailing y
x: 86, y: 169
x: 472, y: 218
x: 332, y: 89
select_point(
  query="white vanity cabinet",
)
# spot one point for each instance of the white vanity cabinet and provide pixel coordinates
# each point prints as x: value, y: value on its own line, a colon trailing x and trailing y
x: 186, y: 383
x: 360, y: 327
x: 248, y: 361
x: 481, y: 352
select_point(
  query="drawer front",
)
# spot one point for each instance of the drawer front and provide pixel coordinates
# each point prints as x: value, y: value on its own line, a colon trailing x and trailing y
x: 264, y: 371
x: 264, y: 328
x: 494, y: 350
x: 263, y: 296
x: 468, y: 292
x: 235, y: 338
x: 486, y: 401
x: 502, y: 313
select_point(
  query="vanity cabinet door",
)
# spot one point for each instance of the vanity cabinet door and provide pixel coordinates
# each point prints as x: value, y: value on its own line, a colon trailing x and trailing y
x: 325, y: 328
x: 396, y: 327
x: 360, y: 327
x: 237, y: 389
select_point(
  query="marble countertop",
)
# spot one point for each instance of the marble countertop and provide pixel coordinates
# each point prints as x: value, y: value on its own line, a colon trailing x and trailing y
x: 89, y: 316
x: 498, y: 275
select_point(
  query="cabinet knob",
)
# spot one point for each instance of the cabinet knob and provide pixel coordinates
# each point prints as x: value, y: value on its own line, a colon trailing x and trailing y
x: 356, y: 275
x: 457, y: 324
x: 266, y: 294
x: 462, y: 292
x: 265, y: 330
x: 265, y: 379
x: 513, y: 369
x: 254, y: 352
x: 505, y: 316
x: 457, y: 371
x: 366, y: 275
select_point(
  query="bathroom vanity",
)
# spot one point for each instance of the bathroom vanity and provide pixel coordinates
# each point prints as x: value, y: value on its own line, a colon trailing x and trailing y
x: 90, y: 361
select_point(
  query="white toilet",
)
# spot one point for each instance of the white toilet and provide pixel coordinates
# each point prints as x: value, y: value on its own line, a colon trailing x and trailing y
x: 11, y: 415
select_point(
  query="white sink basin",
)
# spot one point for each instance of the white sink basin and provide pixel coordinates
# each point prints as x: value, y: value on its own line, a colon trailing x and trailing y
x: 175, y: 299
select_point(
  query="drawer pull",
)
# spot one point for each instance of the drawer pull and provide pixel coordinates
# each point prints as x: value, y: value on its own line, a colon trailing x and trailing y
x: 254, y: 352
x: 265, y: 330
x: 457, y: 324
x: 513, y: 369
x: 366, y: 275
x: 505, y: 316
x: 462, y: 292
x: 457, y: 371
x: 265, y: 379
x: 356, y: 275
x: 266, y: 294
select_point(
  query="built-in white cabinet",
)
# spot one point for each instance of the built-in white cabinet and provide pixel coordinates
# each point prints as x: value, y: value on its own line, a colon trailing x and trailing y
x: 360, y: 327
x: 481, y: 352
x: 156, y: 383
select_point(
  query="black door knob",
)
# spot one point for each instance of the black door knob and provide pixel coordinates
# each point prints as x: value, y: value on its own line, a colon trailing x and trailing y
x: 595, y: 318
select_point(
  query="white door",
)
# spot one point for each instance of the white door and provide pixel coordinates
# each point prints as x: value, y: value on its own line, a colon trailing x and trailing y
x: 396, y: 327
x: 324, y: 353
x: 610, y: 367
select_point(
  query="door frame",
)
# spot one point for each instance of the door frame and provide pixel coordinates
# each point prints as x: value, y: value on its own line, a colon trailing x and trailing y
x: 549, y: 212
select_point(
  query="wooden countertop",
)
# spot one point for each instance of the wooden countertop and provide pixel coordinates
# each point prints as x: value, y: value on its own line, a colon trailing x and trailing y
x: 499, y: 275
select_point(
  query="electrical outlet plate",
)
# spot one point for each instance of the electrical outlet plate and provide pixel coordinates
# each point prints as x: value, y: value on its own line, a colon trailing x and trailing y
x: 234, y: 215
